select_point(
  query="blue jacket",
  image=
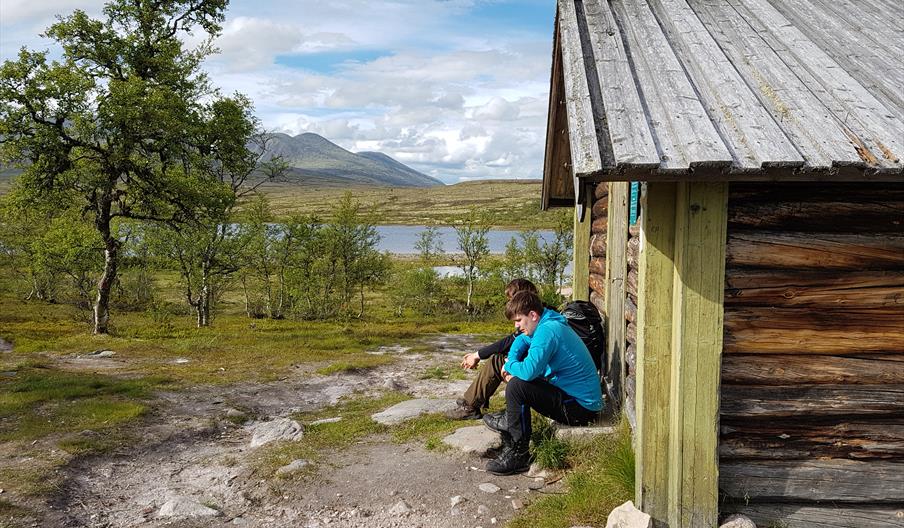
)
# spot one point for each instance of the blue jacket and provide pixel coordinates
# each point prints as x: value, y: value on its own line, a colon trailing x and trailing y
x: 557, y: 354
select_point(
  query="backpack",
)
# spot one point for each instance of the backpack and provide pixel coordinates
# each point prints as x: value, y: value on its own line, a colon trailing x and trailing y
x: 585, y: 320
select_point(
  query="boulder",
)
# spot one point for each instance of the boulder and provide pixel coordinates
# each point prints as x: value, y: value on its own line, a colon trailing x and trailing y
x: 578, y: 433
x: 475, y: 439
x: 738, y: 521
x: 278, y: 429
x: 409, y: 409
x: 628, y: 516
x: 292, y: 467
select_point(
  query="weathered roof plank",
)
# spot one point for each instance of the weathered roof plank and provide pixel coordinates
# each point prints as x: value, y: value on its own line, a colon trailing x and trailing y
x: 629, y: 131
x: 682, y: 129
x: 875, y: 131
x: 815, y: 131
x: 585, y: 149
x: 752, y: 135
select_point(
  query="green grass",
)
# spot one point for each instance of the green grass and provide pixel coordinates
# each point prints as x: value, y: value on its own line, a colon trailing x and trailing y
x: 443, y: 373
x: 548, y: 451
x: 602, y: 478
x: 508, y: 203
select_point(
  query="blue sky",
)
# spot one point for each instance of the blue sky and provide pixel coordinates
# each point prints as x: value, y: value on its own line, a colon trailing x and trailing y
x: 455, y: 88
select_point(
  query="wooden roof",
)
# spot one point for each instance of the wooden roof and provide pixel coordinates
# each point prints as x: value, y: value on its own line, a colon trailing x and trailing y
x: 726, y: 89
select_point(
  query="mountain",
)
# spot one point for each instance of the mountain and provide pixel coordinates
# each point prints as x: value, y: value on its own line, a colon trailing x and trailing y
x: 313, y: 156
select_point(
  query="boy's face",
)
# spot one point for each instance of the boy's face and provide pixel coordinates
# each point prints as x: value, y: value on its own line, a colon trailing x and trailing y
x: 527, y: 323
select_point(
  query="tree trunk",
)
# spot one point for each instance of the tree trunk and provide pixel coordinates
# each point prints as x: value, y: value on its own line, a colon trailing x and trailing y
x: 204, y: 300
x: 105, y: 285
x: 247, y: 298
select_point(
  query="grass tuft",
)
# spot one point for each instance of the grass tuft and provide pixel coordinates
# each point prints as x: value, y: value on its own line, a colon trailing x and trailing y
x: 602, y: 478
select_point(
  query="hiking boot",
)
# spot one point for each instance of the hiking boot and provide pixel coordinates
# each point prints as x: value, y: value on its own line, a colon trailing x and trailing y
x: 496, y: 421
x: 513, y: 459
x: 464, y: 412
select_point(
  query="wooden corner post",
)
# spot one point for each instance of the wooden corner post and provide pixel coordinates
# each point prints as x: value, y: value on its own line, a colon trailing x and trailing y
x: 580, y: 290
x: 697, y: 325
x: 616, y: 275
x: 654, y: 348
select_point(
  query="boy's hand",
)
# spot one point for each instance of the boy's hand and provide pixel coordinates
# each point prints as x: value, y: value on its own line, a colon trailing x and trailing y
x: 470, y: 361
x: 506, y: 376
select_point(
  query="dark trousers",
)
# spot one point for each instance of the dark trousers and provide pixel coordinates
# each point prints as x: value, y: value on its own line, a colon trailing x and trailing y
x: 522, y: 396
x: 489, y: 376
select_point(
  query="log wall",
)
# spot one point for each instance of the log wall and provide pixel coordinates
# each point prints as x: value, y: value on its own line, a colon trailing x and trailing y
x: 812, y: 397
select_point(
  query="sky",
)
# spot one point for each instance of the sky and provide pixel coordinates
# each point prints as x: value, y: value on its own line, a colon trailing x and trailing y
x: 457, y: 89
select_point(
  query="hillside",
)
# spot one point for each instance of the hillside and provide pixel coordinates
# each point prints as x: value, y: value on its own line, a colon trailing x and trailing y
x: 315, y: 159
x: 511, y: 203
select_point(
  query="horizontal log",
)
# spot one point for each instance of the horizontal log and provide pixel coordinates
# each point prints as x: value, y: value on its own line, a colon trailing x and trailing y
x: 777, y: 440
x: 631, y: 283
x: 630, y: 311
x: 598, y: 283
x: 631, y: 333
x: 877, y: 216
x: 839, y: 289
x: 820, y: 516
x: 598, y: 265
x: 599, y: 225
x: 813, y: 480
x: 809, y: 192
x: 763, y: 330
x: 763, y: 369
x: 601, y: 190
x: 632, y: 251
x: 598, y: 300
x: 600, y: 208
x: 631, y: 358
x: 811, y: 400
x: 598, y: 245
x: 808, y: 250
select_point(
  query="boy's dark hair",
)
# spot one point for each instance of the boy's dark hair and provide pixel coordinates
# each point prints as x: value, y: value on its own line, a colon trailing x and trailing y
x: 519, y: 285
x: 523, y: 303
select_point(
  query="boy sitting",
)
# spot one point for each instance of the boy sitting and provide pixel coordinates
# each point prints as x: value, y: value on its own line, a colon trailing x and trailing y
x: 477, y: 397
x: 548, y: 369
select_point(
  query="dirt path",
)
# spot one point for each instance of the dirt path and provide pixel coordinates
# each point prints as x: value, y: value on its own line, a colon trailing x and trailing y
x: 191, y: 457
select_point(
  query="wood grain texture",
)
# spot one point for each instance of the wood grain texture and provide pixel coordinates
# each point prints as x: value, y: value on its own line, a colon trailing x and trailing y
x: 629, y: 130
x: 812, y: 400
x: 826, y: 192
x: 598, y: 245
x: 654, y: 349
x: 814, y: 288
x: 761, y: 369
x: 752, y: 135
x: 764, y: 330
x: 585, y: 147
x: 616, y: 270
x: 815, y: 250
x: 597, y: 284
x: 630, y: 311
x: 808, y: 515
x: 685, y: 133
x: 878, y: 216
x: 699, y: 280
x: 599, y: 225
x: 598, y: 266
x: 558, y: 183
x: 816, y: 480
x: 580, y: 288
x: 600, y: 208
x: 793, y: 439
x: 601, y: 190
x: 599, y: 300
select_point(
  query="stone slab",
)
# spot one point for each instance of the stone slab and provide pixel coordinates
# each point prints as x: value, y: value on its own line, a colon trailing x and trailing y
x: 409, y: 409
x: 476, y: 439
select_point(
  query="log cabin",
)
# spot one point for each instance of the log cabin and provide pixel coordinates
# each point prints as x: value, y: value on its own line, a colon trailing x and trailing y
x: 736, y: 173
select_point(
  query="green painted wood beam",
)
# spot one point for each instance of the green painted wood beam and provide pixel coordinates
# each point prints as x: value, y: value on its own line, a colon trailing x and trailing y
x: 580, y: 290
x: 654, y: 348
x: 616, y: 277
x: 697, y: 325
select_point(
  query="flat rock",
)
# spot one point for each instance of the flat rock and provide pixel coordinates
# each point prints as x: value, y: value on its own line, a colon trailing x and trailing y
x: 400, y: 508
x: 5, y: 346
x: 278, y: 429
x: 572, y: 433
x: 409, y: 409
x: 628, y: 516
x: 738, y: 521
x: 489, y: 487
x: 474, y: 439
x: 185, y: 507
x: 101, y: 354
x: 292, y: 467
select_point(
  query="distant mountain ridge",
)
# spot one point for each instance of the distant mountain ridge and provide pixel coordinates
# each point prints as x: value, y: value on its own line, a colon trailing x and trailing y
x: 312, y: 155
